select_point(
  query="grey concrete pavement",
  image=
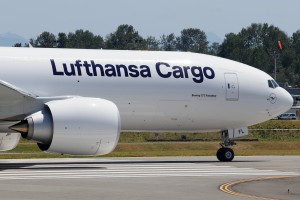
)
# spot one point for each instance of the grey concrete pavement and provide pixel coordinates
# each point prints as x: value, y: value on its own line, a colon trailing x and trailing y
x: 143, y: 178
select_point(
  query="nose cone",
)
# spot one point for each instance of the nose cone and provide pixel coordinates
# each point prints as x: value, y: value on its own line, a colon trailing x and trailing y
x: 280, y: 102
x: 286, y: 100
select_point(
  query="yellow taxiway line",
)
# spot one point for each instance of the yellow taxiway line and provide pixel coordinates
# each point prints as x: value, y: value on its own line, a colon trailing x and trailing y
x: 227, y: 187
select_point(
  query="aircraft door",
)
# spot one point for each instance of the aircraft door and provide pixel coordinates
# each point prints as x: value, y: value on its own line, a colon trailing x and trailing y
x: 232, y: 87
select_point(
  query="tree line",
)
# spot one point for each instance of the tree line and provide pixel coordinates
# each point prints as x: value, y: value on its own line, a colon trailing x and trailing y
x: 255, y: 45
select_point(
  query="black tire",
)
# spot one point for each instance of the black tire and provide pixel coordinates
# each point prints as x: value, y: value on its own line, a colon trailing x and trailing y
x: 219, y: 154
x: 225, y: 154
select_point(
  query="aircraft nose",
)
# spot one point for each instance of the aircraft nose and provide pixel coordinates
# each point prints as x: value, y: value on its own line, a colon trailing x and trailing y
x: 280, y: 102
x: 287, y: 100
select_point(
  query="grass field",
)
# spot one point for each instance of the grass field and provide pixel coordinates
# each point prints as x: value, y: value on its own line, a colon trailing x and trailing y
x: 279, y: 142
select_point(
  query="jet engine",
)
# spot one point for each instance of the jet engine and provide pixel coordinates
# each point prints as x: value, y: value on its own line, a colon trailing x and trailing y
x: 76, y: 126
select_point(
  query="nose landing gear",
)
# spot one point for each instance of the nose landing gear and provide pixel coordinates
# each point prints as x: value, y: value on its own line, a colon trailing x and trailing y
x: 225, y: 154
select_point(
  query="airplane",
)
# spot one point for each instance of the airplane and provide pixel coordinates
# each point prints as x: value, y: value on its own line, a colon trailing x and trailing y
x: 75, y: 101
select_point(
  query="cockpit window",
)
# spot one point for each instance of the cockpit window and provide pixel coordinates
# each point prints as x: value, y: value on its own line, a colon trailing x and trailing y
x: 272, y: 84
x: 275, y: 83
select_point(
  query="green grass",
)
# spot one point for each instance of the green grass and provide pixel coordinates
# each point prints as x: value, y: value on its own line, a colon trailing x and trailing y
x: 261, y: 135
x: 188, y: 144
x: 277, y: 135
x: 171, y: 149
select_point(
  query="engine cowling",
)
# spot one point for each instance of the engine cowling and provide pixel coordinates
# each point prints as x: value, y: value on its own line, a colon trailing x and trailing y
x: 9, y: 141
x: 76, y: 126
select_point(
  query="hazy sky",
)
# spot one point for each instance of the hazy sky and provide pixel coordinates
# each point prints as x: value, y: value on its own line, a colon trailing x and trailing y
x: 150, y: 17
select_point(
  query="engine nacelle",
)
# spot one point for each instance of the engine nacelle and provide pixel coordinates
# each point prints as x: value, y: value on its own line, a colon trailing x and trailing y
x: 9, y: 141
x: 76, y: 126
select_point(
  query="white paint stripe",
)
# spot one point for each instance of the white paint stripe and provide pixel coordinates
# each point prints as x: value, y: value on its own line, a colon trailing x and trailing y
x: 132, y: 171
x: 115, y: 176
x: 143, y: 172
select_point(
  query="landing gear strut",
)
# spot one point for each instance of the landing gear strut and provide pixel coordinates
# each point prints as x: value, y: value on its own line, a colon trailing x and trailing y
x: 225, y: 154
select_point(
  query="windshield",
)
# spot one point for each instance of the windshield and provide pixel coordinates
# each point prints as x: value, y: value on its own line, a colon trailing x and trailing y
x: 272, y: 84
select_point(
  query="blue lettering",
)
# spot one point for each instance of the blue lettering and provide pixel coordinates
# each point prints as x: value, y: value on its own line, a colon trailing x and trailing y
x: 145, y: 71
x: 78, y: 66
x: 55, y: 72
x: 163, y: 69
x: 178, y: 73
x: 133, y: 71
x: 186, y: 74
x: 211, y: 71
x: 197, y: 73
x: 87, y: 68
x: 119, y: 67
x: 72, y: 73
x: 95, y: 66
x: 167, y: 75
x: 110, y: 70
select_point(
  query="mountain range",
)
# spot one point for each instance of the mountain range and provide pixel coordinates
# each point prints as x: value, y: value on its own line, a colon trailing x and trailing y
x: 10, y: 39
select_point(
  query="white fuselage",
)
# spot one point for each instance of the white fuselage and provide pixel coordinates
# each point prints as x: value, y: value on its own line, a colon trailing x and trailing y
x: 160, y: 91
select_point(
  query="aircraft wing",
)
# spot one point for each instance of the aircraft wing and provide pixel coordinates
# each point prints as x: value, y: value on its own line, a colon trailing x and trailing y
x: 10, y: 92
x: 12, y: 100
